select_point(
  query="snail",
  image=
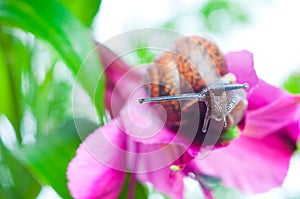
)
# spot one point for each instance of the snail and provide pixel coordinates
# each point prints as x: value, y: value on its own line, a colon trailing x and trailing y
x: 194, y: 73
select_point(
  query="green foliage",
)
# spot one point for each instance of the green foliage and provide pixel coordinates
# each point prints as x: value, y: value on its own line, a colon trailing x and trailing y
x: 170, y: 25
x: 210, y: 182
x: 16, y: 181
x: 14, y: 58
x: 139, y: 190
x: 48, y: 159
x: 32, y: 81
x: 218, y: 14
x: 142, y: 55
x: 222, y: 192
x: 52, y: 22
x: 230, y: 134
x: 213, y: 16
x: 145, y: 55
x: 293, y: 83
x: 52, y: 93
x: 84, y: 10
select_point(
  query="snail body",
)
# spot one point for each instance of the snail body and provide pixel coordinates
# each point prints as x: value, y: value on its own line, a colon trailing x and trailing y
x: 193, y: 72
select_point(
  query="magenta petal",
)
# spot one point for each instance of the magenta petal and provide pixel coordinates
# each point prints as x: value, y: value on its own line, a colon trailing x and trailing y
x: 115, y: 107
x: 293, y: 131
x: 284, y: 110
x: 114, y: 68
x: 144, y: 124
x: 88, y: 175
x: 119, y: 75
x: 241, y: 64
x: 113, y: 65
x: 145, y: 158
x: 165, y: 181
x: 252, y: 165
x: 264, y: 94
x: 138, y: 120
x: 122, y: 91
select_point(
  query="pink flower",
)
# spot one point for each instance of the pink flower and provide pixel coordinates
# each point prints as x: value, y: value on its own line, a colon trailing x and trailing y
x: 259, y: 159
x: 132, y: 142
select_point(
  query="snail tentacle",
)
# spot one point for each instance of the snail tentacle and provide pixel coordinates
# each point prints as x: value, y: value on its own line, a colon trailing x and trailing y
x: 206, y: 117
x: 186, y: 96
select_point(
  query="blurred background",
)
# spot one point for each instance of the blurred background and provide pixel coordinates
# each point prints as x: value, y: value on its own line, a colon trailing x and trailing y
x: 43, y: 45
x: 267, y: 28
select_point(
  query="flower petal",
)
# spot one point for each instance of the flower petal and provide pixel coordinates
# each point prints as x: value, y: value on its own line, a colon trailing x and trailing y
x: 114, y: 101
x: 241, y: 64
x: 113, y: 65
x: 252, y: 165
x: 293, y: 131
x: 165, y: 181
x: 88, y: 175
x: 121, y: 79
x: 144, y: 124
x: 263, y: 95
x: 282, y: 111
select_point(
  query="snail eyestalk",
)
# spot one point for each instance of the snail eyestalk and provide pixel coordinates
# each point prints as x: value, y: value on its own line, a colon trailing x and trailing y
x: 217, y: 89
x: 236, y: 86
x: 187, y: 96
x: 195, y: 96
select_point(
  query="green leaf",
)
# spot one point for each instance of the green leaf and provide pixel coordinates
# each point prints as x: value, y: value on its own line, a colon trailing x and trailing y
x: 211, y: 6
x: 223, y: 192
x: 49, y: 157
x: 58, y: 92
x: 85, y: 10
x: 210, y: 182
x: 140, y: 191
x: 52, y: 22
x: 293, y: 83
x: 16, y: 181
x: 218, y: 15
x: 145, y: 55
x: 14, y: 58
x: 230, y: 134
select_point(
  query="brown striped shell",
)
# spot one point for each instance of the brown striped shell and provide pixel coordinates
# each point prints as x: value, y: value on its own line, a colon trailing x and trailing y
x: 189, y: 66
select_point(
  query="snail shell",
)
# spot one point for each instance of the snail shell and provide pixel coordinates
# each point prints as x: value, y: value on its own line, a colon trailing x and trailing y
x: 194, y: 65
